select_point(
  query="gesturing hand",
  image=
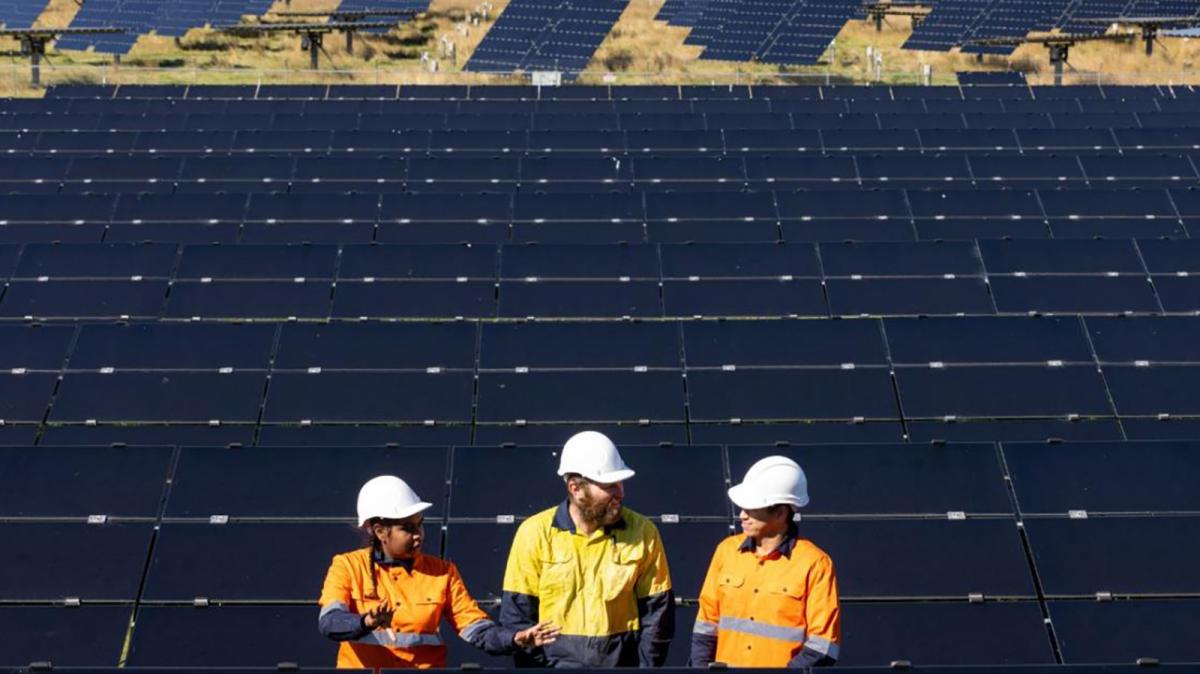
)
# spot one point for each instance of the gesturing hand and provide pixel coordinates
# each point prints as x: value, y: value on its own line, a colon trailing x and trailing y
x: 539, y: 635
x: 380, y: 617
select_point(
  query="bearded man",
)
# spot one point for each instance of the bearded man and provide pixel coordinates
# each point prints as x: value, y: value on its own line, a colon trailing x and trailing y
x: 593, y: 567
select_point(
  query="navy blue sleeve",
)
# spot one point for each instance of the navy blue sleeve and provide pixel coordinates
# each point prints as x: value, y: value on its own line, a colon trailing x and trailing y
x: 517, y: 612
x: 340, y: 624
x: 656, y: 614
x: 808, y: 658
x: 704, y: 650
x: 490, y: 637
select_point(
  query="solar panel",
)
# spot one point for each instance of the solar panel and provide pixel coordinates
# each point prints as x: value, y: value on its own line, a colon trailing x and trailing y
x: 580, y: 397
x: 542, y: 35
x: 341, y: 346
x: 165, y: 346
x: 368, y: 397
x: 20, y: 13
x: 216, y: 481
x: 986, y: 340
x: 1154, y: 340
x: 995, y: 392
x: 948, y: 559
x: 597, y: 345
x: 196, y: 397
x: 76, y: 482
x: 34, y: 347
x: 810, y: 395
x: 177, y: 573
x: 1080, y: 626
x: 260, y: 636
x: 39, y: 572
x: 1157, y: 568
x: 36, y: 634
x: 744, y: 297
x: 1086, y: 485
x: 583, y: 299
x: 894, y: 631
x: 124, y: 434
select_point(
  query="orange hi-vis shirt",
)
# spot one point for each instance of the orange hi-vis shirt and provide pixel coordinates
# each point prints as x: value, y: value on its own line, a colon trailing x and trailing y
x: 766, y: 611
x: 433, y: 590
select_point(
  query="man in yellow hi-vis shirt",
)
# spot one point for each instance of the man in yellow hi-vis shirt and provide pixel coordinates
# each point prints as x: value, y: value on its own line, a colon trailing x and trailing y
x: 596, y: 569
x: 770, y: 598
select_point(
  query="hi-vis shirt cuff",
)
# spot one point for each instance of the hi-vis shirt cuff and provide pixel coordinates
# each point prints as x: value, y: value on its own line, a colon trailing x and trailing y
x: 822, y: 646
x: 758, y: 629
x: 704, y: 627
x: 394, y: 639
x: 471, y: 631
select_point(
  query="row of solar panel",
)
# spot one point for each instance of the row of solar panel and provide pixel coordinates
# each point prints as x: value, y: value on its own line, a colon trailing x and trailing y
x: 558, y: 172
x: 1109, y: 258
x: 851, y: 395
x: 926, y: 558
x: 927, y: 105
x: 494, y: 434
x: 605, y: 92
x: 1040, y: 143
x: 651, y: 117
x: 798, y: 298
x: 1048, y: 480
x: 927, y: 633
x: 730, y: 207
x: 1148, y: 341
x: 172, y: 18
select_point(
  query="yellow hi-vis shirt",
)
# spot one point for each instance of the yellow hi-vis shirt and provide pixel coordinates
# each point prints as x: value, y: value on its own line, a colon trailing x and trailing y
x: 777, y: 610
x: 610, y: 591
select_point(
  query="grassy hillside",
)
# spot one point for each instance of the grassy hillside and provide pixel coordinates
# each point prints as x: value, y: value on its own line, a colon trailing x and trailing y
x: 638, y: 50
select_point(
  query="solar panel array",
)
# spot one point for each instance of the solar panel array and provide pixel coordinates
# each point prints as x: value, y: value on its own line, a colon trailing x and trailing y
x: 772, y: 31
x: 557, y: 35
x: 20, y: 13
x: 956, y: 23
x: 971, y: 313
x: 171, y: 18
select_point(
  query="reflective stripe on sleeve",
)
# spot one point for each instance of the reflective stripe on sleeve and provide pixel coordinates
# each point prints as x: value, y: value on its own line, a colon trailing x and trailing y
x: 470, y: 631
x: 822, y: 646
x: 333, y: 606
x: 394, y: 639
x: 704, y: 627
x: 791, y: 634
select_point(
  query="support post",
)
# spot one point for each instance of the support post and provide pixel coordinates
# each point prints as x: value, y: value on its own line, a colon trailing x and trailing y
x: 314, y: 50
x: 1149, y: 34
x: 349, y: 42
x: 1058, y: 58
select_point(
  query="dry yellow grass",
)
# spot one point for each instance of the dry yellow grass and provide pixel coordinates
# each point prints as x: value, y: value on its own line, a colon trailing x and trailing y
x: 638, y: 50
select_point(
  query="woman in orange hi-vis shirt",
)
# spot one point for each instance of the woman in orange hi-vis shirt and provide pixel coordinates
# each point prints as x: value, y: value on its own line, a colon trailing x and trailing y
x: 384, y: 603
x: 770, y: 597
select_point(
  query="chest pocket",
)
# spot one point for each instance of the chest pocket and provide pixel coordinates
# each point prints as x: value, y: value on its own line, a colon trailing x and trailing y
x: 558, y: 570
x: 426, y: 613
x: 620, y: 575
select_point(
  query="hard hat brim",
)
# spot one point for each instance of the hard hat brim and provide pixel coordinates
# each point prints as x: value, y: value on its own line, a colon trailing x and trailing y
x: 744, y: 498
x: 408, y: 511
x: 605, y: 478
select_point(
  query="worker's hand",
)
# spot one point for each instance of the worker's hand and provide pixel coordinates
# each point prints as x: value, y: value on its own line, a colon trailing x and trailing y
x: 539, y: 635
x: 380, y: 617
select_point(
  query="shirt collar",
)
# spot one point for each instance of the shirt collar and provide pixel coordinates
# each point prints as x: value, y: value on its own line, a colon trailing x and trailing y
x: 563, y: 521
x: 387, y: 562
x: 785, y: 548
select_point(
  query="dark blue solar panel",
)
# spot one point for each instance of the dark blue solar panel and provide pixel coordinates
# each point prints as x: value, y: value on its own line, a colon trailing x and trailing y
x: 214, y: 481
x: 540, y: 35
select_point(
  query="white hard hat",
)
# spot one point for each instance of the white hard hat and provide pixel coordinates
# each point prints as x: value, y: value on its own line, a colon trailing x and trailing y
x: 595, y: 457
x: 771, y: 481
x: 388, y: 497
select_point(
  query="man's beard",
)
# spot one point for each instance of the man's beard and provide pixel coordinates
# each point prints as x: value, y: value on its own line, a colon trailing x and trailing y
x: 598, y: 514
